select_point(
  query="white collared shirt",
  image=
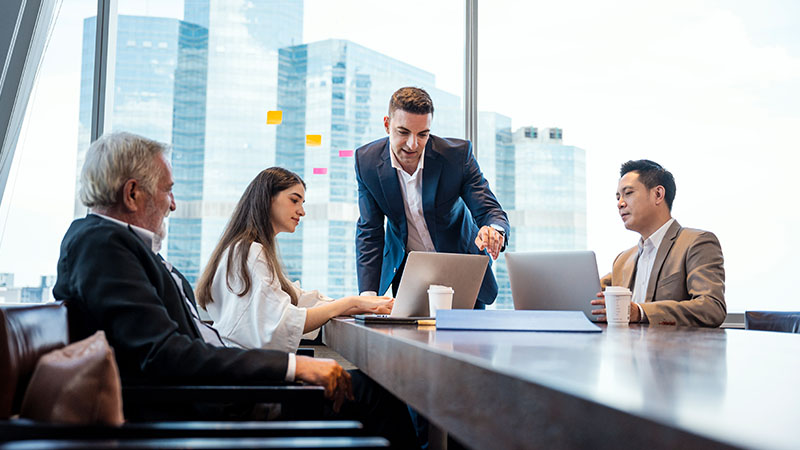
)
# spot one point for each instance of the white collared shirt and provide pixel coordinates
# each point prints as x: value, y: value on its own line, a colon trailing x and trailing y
x: 419, y: 238
x: 648, y: 248
x: 209, y: 334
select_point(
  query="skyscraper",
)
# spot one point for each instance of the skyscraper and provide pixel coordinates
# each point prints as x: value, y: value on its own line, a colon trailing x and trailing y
x: 496, y: 157
x: 233, y: 143
x: 550, y: 188
x: 148, y: 54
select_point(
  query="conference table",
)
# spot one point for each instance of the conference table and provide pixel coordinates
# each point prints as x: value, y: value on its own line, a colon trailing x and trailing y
x: 634, y: 386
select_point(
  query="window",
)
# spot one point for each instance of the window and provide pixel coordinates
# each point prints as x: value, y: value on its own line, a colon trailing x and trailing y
x: 202, y: 74
x: 223, y: 65
x: 37, y: 202
x: 720, y: 73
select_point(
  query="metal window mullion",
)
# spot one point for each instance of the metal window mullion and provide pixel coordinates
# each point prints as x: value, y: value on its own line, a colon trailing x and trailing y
x: 471, y: 74
x: 104, y: 48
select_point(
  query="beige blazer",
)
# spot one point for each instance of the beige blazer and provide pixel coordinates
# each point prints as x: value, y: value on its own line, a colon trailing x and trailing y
x: 687, y: 283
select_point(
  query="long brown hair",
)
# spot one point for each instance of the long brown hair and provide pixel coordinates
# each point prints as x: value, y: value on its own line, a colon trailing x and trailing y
x: 250, y: 223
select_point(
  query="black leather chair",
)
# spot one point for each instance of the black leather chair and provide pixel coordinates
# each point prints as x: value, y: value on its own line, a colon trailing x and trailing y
x: 29, y: 331
x: 784, y: 321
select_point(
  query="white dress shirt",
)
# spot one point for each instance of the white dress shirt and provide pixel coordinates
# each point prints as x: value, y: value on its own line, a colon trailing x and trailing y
x: 265, y: 316
x: 419, y: 238
x: 648, y: 248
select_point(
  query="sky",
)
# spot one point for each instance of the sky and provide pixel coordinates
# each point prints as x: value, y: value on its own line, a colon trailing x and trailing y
x: 708, y: 89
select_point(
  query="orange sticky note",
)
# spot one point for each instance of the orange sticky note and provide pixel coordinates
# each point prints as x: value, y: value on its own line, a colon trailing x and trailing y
x: 345, y: 153
x: 313, y: 140
x: 320, y: 171
x: 274, y: 117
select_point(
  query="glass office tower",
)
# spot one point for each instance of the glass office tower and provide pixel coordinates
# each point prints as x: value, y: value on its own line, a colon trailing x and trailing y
x: 339, y: 90
x: 150, y: 51
x: 496, y: 157
x: 234, y: 143
x: 550, y: 185
x: 541, y: 183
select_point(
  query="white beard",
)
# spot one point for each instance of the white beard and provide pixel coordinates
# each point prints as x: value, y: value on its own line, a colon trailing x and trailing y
x: 159, y: 236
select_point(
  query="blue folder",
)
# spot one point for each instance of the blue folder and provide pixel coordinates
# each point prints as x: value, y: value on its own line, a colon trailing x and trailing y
x: 513, y: 320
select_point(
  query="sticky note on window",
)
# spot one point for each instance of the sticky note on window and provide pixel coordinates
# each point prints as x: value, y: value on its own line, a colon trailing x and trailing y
x: 274, y: 117
x: 320, y: 170
x: 313, y: 140
x: 345, y: 153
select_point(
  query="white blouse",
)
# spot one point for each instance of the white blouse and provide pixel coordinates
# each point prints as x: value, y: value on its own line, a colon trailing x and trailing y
x: 264, y: 317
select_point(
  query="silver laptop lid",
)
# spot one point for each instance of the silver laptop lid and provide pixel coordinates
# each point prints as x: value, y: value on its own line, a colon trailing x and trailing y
x: 463, y: 273
x: 554, y: 280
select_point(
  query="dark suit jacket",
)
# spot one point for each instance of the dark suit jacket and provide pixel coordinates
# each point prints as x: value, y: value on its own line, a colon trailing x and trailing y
x: 111, y: 281
x: 687, y: 283
x: 456, y: 202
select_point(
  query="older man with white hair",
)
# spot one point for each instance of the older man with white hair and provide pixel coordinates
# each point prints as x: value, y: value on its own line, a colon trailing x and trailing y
x: 112, y: 278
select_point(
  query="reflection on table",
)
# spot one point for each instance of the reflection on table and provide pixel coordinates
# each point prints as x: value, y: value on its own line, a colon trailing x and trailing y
x: 649, y: 386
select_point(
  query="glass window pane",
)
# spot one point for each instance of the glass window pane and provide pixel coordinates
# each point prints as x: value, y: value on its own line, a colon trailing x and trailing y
x: 709, y: 90
x: 37, y: 204
x: 202, y: 75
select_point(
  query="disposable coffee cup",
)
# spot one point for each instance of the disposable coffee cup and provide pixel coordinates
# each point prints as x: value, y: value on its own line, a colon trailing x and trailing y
x: 439, y: 297
x: 618, y: 301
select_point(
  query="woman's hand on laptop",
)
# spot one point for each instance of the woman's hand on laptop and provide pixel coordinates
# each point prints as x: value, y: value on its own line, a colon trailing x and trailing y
x: 369, y: 304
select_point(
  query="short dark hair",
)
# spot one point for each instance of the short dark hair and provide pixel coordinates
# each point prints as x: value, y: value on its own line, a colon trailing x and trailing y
x: 651, y: 174
x: 412, y: 100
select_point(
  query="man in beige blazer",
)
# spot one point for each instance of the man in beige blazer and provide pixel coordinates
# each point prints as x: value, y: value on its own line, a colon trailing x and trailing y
x: 676, y: 274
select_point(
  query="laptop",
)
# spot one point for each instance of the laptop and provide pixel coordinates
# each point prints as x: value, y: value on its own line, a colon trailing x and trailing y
x: 554, y: 281
x: 463, y: 273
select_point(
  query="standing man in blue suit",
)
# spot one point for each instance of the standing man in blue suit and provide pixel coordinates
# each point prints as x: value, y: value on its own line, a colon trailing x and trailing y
x: 432, y: 194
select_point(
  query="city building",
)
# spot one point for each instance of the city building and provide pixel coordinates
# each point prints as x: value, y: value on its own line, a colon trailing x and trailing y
x: 550, y: 191
x: 148, y: 53
x: 233, y: 143
x: 496, y: 158
x: 6, y: 279
x: 541, y: 184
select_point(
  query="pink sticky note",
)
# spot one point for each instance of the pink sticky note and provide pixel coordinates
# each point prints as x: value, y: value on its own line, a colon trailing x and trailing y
x: 320, y: 171
x: 345, y: 153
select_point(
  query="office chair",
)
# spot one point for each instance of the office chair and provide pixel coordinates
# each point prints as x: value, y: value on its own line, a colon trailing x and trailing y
x: 784, y: 321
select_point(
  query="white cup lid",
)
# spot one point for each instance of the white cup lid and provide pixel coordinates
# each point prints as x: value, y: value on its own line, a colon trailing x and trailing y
x: 436, y: 288
x: 617, y: 290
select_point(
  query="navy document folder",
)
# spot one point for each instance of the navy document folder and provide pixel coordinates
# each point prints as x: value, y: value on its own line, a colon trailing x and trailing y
x: 514, y: 320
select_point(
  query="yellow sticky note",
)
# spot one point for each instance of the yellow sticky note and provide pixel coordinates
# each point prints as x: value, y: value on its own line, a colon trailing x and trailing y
x: 274, y: 117
x: 313, y: 140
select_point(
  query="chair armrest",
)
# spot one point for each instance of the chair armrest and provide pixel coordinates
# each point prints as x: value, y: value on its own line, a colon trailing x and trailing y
x: 24, y: 429
x: 222, y: 394
x: 297, y: 401
x: 308, y: 443
x: 305, y: 351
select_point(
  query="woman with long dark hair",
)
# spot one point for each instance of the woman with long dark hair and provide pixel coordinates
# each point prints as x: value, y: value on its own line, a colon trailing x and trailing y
x: 244, y: 288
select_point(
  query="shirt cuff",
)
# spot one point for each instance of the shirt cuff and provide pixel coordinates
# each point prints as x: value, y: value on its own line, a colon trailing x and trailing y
x: 291, y: 368
x: 642, y: 317
x: 372, y: 293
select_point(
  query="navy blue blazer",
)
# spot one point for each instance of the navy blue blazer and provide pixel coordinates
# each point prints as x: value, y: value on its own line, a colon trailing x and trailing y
x: 456, y: 202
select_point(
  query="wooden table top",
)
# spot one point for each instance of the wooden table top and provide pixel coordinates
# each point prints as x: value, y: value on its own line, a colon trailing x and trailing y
x: 657, y: 386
